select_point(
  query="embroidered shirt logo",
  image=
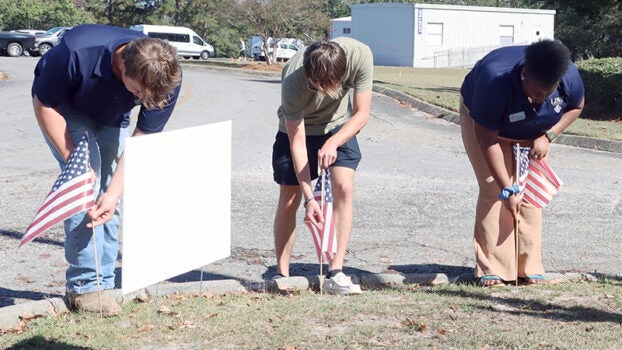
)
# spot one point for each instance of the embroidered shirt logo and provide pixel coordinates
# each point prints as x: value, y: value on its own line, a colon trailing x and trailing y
x: 557, y: 102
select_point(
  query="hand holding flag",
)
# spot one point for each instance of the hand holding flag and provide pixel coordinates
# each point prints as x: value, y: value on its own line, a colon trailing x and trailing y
x: 537, y: 181
x: 72, y: 193
x: 324, y: 236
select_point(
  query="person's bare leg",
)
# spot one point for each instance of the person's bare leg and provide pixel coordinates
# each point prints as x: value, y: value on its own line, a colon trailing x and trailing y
x: 342, y: 184
x: 285, y: 226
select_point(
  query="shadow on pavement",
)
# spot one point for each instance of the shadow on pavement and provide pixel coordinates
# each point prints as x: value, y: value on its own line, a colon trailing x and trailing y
x: 40, y: 343
x: 449, y: 270
x: 535, y: 308
x: 18, y: 236
x: 8, y: 296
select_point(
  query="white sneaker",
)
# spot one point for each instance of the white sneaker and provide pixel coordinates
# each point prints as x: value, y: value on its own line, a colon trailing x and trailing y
x: 276, y: 276
x: 340, y: 284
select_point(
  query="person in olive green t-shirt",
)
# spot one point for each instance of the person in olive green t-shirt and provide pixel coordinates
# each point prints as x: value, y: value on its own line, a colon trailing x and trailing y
x: 318, y: 123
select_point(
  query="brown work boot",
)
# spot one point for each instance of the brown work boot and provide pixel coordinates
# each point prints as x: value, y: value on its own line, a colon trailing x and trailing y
x: 90, y: 302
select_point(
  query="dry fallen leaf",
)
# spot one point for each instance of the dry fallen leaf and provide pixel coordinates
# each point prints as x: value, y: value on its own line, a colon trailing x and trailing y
x: 188, y: 324
x: 86, y: 336
x: 178, y: 296
x: 211, y: 315
x: 145, y: 328
x: 164, y: 310
x: 142, y: 298
x: 408, y: 322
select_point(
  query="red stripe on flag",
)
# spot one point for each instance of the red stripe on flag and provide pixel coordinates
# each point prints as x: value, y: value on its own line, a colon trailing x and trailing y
x: 328, y: 236
x: 29, y: 236
x: 71, y: 194
x: 55, y: 195
x: 66, y: 202
x: 541, y: 183
x: 317, y: 239
x: 324, y: 237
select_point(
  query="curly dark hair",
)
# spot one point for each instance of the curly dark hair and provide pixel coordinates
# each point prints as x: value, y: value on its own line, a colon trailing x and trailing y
x: 546, y: 61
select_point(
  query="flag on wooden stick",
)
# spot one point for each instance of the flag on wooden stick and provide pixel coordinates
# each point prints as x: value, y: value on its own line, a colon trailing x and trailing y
x: 537, y: 181
x: 325, y: 238
x: 72, y: 193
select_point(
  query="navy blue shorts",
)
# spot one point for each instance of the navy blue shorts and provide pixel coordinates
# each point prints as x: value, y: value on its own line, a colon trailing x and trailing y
x: 348, y: 155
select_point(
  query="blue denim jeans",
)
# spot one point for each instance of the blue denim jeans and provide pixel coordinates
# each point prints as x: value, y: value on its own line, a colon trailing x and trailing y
x: 106, y: 145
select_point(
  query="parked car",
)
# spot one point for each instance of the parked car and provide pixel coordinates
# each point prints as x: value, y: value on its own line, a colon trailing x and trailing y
x: 14, y: 44
x: 285, y: 48
x: 29, y: 31
x: 185, y: 40
x: 44, y: 42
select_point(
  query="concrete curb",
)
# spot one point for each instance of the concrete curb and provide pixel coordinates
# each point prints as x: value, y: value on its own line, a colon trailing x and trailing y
x: 451, y: 116
x: 15, y: 316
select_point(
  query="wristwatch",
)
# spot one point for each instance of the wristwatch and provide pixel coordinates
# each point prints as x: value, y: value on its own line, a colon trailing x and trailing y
x: 550, y: 134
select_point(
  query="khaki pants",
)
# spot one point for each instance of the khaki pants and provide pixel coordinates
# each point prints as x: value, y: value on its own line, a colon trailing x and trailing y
x: 494, y: 238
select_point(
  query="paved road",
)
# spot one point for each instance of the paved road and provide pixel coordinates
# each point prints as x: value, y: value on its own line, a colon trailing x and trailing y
x: 415, y: 191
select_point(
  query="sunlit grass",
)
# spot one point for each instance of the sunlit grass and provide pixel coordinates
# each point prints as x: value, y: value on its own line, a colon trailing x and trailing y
x: 441, y: 87
x: 463, y: 316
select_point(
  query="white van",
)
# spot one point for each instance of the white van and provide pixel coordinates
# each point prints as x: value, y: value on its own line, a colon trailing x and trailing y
x: 188, y: 43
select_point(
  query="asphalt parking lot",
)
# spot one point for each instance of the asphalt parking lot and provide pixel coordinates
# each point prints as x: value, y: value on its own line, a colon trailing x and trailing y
x: 414, y: 200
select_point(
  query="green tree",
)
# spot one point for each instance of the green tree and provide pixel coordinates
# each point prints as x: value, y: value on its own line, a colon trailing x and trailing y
x: 589, y: 28
x: 213, y: 20
x: 38, y: 14
x: 284, y: 18
x: 121, y: 13
x: 337, y: 8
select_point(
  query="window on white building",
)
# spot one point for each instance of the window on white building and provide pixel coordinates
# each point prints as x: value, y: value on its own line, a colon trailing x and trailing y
x: 346, y: 31
x: 434, y: 34
x: 506, y: 35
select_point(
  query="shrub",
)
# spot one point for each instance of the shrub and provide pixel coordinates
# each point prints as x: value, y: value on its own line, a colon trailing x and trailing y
x: 603, y: 87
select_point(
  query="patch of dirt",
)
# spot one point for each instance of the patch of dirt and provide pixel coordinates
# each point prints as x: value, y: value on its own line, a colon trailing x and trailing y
x: 3, y: 76
x: 275, y: 67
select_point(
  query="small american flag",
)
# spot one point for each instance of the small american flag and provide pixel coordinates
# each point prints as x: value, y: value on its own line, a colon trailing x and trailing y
x: 537, y: 181
x: 325, y: 239
x: 72, y: 193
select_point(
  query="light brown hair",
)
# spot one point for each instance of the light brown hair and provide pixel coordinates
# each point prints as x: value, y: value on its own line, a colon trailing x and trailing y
x: 325, y: 65
x: 153, y: 63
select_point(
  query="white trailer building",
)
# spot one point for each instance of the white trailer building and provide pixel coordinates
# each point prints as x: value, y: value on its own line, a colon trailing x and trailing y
x: 340, y: 27
x: 426, y: 35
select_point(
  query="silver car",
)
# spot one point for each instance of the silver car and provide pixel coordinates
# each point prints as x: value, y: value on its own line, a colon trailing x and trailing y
x: 44, y: 42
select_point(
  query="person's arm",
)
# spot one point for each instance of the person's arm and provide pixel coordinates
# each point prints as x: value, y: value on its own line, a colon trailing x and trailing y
x: 542, y: 144
x: 107, y: 202
x: 54, y: 127
x: 298, y: 146
x: 493, y: 155
x: 327, y: 155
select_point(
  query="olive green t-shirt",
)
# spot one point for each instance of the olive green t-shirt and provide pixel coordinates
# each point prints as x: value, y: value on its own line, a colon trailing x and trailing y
x: 321, y: 113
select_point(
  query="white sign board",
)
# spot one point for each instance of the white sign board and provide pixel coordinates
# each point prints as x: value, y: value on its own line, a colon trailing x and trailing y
x: 176, y: 203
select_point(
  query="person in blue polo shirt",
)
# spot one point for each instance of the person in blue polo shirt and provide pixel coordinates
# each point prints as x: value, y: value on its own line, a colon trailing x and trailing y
x: 88, y: 84
x: 518, y: 94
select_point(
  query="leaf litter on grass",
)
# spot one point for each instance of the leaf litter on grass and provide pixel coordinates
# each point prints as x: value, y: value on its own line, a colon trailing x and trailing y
x: 460, y: 316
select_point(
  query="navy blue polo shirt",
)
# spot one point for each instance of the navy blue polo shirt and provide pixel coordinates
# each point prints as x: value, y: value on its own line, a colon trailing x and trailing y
x: 493, y: 93
x: 78, y: 72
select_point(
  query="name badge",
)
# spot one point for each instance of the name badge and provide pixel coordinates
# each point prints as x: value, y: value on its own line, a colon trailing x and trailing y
x: 516, y: 117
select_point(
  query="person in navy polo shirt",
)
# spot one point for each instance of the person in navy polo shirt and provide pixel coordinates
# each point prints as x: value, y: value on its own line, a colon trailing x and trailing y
x: 88, y: 84
x: 518, y: 94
